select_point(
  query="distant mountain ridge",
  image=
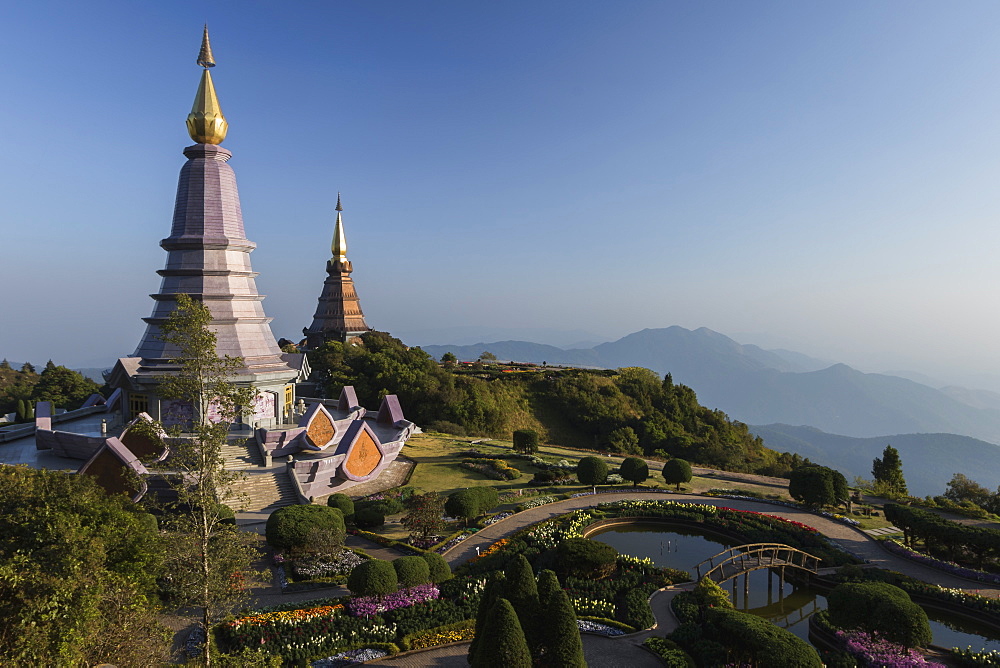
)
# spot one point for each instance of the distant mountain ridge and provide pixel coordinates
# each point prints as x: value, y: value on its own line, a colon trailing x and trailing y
x: 758, y: 386
x: 929, y: 460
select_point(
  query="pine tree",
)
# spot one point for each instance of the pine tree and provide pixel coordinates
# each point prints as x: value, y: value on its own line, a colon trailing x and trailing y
x: 559, y: 634
x: 548, y: 586
x: 494, y: 592
x: 502, y: 643
x: 522, y: 592
x: 888, y: 473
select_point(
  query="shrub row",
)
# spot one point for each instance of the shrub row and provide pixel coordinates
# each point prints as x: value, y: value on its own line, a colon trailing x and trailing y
x: 942, y: 536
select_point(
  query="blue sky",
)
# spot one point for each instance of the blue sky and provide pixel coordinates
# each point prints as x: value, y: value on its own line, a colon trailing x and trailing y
x: 816, y: 175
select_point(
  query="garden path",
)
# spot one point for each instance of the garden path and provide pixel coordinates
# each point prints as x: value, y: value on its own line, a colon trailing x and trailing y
x: 853, y: 540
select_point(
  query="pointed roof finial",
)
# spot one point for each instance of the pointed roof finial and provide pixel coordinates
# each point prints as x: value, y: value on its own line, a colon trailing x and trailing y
x: 205, y: 58
x: 205, y: 123
x: 339, y: 246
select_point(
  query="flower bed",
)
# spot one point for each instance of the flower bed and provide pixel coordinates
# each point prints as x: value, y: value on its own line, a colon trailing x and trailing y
x: 350, y: 658
x: 441, y: 635
x: 873, y: 651
x: 366, y: 606
x: 496, y: 518
x: 969, y: 657
x: 534, y: 503
x: 947, y: 566
x: 497, y: 469
x: 598, y: 628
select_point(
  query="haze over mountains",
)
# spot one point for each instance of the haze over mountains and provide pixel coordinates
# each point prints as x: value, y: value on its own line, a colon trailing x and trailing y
x: 779, y: 388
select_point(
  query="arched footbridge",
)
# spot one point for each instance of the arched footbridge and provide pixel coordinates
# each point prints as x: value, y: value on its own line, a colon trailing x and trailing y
x: 742, y: 559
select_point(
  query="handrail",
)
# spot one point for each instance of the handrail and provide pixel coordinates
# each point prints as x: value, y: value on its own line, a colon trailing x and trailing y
x: 758, y: 556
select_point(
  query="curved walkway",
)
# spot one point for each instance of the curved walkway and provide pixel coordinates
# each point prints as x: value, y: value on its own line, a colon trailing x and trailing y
x: 853, y: 540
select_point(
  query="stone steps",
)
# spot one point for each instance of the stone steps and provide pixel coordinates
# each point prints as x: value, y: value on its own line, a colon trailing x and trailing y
x: 266, y: 491
x: 240, y: 456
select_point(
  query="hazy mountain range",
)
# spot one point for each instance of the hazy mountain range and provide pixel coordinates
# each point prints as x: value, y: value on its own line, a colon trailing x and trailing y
x: 847, y: 414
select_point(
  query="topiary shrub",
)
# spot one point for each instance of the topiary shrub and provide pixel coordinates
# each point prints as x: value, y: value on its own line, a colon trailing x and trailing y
x: 369, y: 518
x: 386, y: 506
x: 758, y: 642
x: 373, y: 578
x: 585, y: 558
x: 305, y: 528
x: 341, y: 502
x: 708, y: 594
x: 879, y: 607
x: 526, y: 441
x: 440, y: 569
x: 592, y: 471
x: 411, y: 571
x: 676, y: 472
x: 634, y: 610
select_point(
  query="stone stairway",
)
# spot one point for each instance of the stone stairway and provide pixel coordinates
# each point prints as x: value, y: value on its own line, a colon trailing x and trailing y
x: 266, y: 490
x: 241, y: 455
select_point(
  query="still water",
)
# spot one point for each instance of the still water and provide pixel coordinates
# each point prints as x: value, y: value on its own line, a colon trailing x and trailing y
x: 790, y: 607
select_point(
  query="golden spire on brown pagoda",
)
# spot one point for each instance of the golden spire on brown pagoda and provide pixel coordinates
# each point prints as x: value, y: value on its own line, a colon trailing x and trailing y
x: 339, y: 245
x: 205, y: 123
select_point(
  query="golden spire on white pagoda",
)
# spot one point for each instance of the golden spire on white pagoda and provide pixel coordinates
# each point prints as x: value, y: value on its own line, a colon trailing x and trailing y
x: 205, y: 123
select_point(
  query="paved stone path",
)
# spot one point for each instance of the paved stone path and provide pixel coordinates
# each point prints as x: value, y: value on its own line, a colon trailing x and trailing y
x: 853, y: 540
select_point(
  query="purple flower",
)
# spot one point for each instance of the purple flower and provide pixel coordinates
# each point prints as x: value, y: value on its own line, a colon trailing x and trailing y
x: 365, y: 606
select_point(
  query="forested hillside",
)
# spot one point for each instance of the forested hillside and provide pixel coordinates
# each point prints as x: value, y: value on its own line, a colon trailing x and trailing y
x: 630, y: 410
x: 20, y: 388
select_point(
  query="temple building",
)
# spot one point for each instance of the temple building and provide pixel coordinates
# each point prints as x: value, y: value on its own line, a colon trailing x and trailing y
x: 338, y: 315
x: 208, y: 257
x: 301, y: 448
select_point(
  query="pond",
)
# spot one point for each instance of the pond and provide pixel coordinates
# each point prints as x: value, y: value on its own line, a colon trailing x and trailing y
x: 789, y: 608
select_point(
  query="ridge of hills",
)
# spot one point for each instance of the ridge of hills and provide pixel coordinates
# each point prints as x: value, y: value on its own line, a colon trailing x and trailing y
x: 929, y: 460
x: 758, y: 386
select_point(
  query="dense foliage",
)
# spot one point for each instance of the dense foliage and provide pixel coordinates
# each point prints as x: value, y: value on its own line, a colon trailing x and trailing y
x: 630, y: 410
x: 64, y: 387
x: 818, y: 486
x: 77, y: 573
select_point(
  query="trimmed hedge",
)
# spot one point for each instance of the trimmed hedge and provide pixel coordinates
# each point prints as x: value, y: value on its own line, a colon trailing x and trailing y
x: 299, y: 527
x: 879, y: 607
x: 342, y: 502
x: 759, y: 642
x: 411, y: 571
x: 373, y: 578
x: 369, y: 518
x: 586, y: 558
x: 634, y: 610
x: 438, y: 566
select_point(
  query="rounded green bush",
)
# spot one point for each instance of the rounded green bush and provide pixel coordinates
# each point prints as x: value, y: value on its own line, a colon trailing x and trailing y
x: 374, y: 577
x: 879, y: 607
x: 439, y: 568
x: 369, y: 518
x: 301, y: 527
x: 677, y: 471
x: 755, y: 640
x: 412, y: 571
x: 586, y: 558
x: 342, y: 502
x: 592, y: 471
x: 388, y: 506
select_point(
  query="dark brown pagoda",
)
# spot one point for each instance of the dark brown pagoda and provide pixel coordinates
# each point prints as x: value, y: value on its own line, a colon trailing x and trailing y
x: 338, y: 315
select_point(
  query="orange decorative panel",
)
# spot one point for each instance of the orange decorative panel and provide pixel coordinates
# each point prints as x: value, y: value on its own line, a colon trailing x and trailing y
x: 364, y: 456
x: 320, y: 429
